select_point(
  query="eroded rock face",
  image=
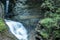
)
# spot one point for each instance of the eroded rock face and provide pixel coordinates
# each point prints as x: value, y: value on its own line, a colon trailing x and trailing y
x: 4, y: 33
x: 1, y: 9
x: 28, y: 16
x: 7, y: 36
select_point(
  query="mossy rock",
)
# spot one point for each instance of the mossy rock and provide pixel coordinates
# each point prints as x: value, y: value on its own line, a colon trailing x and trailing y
x: 2, y: 25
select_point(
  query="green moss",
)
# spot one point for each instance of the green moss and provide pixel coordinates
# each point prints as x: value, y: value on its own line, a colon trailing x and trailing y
x: 2, y: 25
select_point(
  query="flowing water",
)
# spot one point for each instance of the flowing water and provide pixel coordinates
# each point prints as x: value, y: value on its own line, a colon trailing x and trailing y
x: 17, y: 29
x: 7, y: 5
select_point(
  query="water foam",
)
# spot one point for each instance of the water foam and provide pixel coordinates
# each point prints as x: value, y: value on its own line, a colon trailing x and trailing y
x: 17, y: 29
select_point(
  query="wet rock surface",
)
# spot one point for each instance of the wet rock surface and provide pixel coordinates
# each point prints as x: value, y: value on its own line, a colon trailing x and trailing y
x: 4, y: 34
x: 28, y: 16
x: 25, y: 14
x: 7, y: 36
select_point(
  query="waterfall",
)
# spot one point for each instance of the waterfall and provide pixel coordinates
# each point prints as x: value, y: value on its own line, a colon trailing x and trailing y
x: 17, y: 29
x: 7, y: 5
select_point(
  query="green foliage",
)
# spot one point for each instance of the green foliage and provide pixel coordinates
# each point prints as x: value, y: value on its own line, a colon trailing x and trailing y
x: 48, y: 4
x: 44, y: 33
x: 57, y: 33
x: 2, y: 25
x: 58, y: 10
x: 50, y: 24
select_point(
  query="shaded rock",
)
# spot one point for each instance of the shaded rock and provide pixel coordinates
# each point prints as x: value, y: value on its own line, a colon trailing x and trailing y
x: 5, y: 33
x: 1, y: 9
x: 29, y: 17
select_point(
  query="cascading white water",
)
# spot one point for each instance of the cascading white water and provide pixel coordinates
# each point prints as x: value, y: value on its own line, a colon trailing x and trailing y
x: 17, y: 29
x: 7, y: 5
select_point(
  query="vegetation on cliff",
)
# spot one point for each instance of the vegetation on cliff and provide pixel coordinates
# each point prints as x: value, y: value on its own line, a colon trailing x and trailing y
x: 49, y: 27
x: 2, y: 25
